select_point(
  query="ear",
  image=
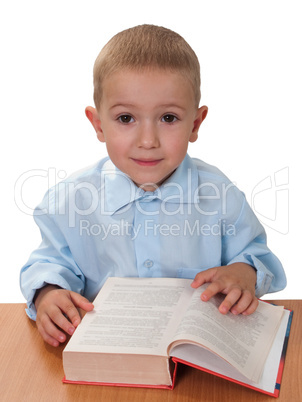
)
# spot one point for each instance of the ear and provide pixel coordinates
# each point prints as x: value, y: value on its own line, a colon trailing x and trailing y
x: 201, y: 114
x: 93, y: 117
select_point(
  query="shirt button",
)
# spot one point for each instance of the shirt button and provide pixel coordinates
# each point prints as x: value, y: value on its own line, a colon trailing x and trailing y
x: 148, y: 264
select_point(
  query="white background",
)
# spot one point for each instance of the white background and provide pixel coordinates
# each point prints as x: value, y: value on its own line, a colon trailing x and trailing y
x: 250, y: 56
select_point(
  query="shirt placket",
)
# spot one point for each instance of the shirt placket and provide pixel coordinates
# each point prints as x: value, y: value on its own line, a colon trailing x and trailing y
x: 147, y: 239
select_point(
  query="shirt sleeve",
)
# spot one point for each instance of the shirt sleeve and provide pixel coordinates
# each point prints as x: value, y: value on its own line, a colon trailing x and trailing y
x: 52, y: 263
x: 248, y: 245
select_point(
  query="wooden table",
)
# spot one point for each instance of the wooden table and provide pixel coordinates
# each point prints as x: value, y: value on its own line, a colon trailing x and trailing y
x: 30, y: 370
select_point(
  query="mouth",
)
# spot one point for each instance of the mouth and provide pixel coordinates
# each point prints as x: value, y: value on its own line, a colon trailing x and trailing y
x: 147, y: 162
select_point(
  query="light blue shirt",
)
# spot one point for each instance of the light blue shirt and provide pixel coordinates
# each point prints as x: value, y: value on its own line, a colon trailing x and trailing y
x: 98, y: 224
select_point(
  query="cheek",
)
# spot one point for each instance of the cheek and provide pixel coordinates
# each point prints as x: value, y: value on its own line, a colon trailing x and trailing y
x: 114, y: 148
x: 177, y: 146
x: 117, y: 149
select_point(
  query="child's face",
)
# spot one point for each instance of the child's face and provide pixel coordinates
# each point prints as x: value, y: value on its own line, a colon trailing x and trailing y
x: 147, y: 120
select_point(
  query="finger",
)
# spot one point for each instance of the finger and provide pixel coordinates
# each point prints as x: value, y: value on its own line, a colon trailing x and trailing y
x: 48, y: 339
x: 252, y: 308
x: 213, y: 289
x: 67, y: 322
x: 66, y: 316
x: 230, y: 300
x: 243, y: 302
x: 203, y: 277
x: 49, y: 331
x: 78, y: 303
x: 81, y: 301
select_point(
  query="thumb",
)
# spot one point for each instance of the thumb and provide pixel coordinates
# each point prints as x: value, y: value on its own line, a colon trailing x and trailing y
x: 203, y: 277
x: 81, y: 301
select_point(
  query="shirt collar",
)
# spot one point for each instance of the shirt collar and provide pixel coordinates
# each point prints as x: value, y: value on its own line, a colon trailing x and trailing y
x: 118, y: 190
x: 180, y: 187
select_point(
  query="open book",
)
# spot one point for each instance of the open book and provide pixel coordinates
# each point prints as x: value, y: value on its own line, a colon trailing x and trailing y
x: 140, y: 326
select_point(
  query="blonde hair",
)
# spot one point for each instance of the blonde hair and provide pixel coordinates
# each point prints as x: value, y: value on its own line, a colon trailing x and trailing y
x: 146, y: 46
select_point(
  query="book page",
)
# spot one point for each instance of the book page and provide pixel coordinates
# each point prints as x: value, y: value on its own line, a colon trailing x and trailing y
x: 243, y: 341
x: 133, y: 315
x: 206, y: 360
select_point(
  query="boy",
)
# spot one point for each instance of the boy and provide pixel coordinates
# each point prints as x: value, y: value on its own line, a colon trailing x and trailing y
x: 149, y: 210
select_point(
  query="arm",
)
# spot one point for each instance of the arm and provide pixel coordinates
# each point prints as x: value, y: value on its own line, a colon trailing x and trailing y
x: 52, y: 263
x: 249, y: 269
x: 249, y: 246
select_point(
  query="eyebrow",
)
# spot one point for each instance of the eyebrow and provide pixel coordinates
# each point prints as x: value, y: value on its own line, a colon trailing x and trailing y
x: 122, y: 105
x: 166, y: 106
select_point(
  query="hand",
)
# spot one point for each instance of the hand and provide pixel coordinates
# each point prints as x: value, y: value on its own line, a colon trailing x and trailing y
x: 237, y: 281
x: 58, y: 309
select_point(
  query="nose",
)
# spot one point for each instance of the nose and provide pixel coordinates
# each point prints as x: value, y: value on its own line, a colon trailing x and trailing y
x: 148, y: 136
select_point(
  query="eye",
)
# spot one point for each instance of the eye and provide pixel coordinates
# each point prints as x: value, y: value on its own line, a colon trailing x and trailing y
x: 125, y: 118
x: 169, y: 118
